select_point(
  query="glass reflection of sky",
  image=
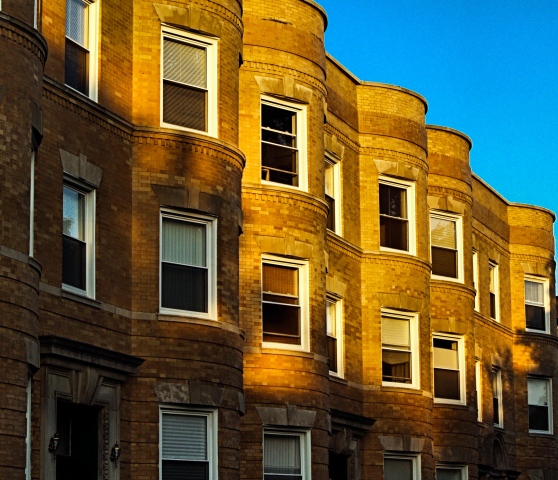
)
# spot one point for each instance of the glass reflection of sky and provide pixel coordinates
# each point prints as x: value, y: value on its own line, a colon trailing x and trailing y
x: 73, y: 213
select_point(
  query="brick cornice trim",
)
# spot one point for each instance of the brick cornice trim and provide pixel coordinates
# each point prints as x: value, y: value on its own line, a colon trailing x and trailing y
x: 22, y: 34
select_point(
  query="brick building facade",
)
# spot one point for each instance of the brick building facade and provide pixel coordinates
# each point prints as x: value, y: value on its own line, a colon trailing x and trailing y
x: 222, y: 255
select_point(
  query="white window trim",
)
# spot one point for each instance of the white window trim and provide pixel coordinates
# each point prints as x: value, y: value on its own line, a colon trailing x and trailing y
x: 340, y: 343
x: 478, y: 386
x: 476, y: 279
x: 305, y: 447
x: 93, y: 41
x: 303, y: 292
x: 35, y: 13
x: 89, y: 234
x: 550, y: 405
x: 499, y: 395
x: 457, y: 219
x: 212, y: 429
x: 28, y: 421
x: 211, y: 46
x: 546, y: 290
x: 463, y: 469
x: 414, y: 348
x: 411, y: 215
x: 406, y: 456
x: 495, y: 272
x: 301, y: 140
x: 336, y: 165
x: 211, y: 253
x: 462, y: 368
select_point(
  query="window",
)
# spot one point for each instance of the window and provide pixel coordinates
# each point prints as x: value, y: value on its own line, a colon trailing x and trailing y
x: 397, y: 212
x: 478, y: 385
x: 539, y: 398
x: 333, y: 194
x: 188, y: 444
x: 285, y: 304
x: 449, y: 369
x: 188, y: 257
x: 189, y: 82
x: 401, y: 467
x: 497, y: 405
x: 494, y: 291
x: 78, y: 240
x: 334, y: 312
x: 28, y: 421
x: 537, y: 310
x: 451, y: 472
x: 286, y: 455
x: 81, y: 46
x: 400, y: 365
x: 446, y: 241
x: 283, y: 139
x: 476, y: 279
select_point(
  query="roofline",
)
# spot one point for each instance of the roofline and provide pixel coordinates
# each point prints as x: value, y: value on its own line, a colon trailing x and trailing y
x: 464, y: 136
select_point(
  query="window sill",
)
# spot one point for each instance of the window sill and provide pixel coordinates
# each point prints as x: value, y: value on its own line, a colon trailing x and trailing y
x: 281, y: 351
x: 186, y: 318
x: 447, y: 279
x: 450, y: 404
x: 389, y: 387
x: 337, y: 379
x: 548, y: 436
x: 81, y: 298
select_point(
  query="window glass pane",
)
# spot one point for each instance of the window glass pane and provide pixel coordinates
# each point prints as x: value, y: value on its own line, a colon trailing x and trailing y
x: 534, y: 292
x: 446, y: 384
x: 445, y: 354
x: 329, y: 180
x: 396, y: 366
x: 184, y: 242
x: 77, y: 21
x: 398, y: 469
x: 279, y: 164
x: 448, y: 474
x: 185, y: 63
x: 393, y: 201
x: 184, y: 106
x: 331, y: 318
x: 538, y: 418
x: 280, y: 279
x: 74, y: 262
x: 76, y: 67
x: 281, y: 323
x: 282, y: 454
x: 537, y: 392
x: 73, y: 213
x: 184, y: 437
x: 278, y: 119
x: 443, y: 232
x: 444, y: 262
x: 394, y: 233
x: 184, y: 288
x: 535, y: 317
x: 183, y: 470
x: 395, y: 332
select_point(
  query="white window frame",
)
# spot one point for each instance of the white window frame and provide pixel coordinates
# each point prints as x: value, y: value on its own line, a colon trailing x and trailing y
x: 412, y: 318
x: 462, y: 368
x: 211, y: 47
x: 458, y: 220
x: 546, y: 292
x: 337, y: 305
x: 301, y: 140
x: 304, y: 301
x: 35, y: 13
x: 28, y: 421
x: 89, y: 237
x: 212, y: 429
x: 415, y: 458
x: 305, y: 448
x: 478, y: 386
x: 497, y: 393
x: 462, y: 469
x: 476, y: 279
x: 211, y: 256
x: 409, y: 188
x: 494, y: 284
x: 549, y: 404
x: 335, y: 165
x: 93, y: 42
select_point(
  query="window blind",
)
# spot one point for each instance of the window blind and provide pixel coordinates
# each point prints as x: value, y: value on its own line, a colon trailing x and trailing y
x: 185, y: 63
x: 280, y: 280
x: 184, y: 242
x: 398, y: 469
x: 282, y: 454
x: 184, y: 437
x: 443, y: 233
x: 77, y: 21
x: 534, y: 292
x: 448, y: 474
x: 395, y: 332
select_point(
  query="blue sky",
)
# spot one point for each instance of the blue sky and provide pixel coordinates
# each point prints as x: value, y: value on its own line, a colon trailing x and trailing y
x: 488, y: 68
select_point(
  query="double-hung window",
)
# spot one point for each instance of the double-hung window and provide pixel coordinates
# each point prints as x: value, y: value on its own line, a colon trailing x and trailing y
x: 80, y: 65
x: 539, y: 399
x: 188, y: 258
x: 285, y: 304
x: 497, y: 397
x: 283, y: 137
x: 397, y: 207
x: 333, y: 194
x: 537, y: 311
x: 189, y: 82
x: 494, y: 291
x: 188, y: 444
x: 78, y: 240
x: 334, y: 321
x: 401, y: 466
x: 451, y: 472
x: 449, y: 369
x: 446, y: 243
x: 286, y: 455
x: 400, y: 363
x: 476, y: 279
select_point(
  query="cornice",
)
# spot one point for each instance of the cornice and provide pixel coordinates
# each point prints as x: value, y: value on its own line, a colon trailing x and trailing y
x: 22, y: 34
